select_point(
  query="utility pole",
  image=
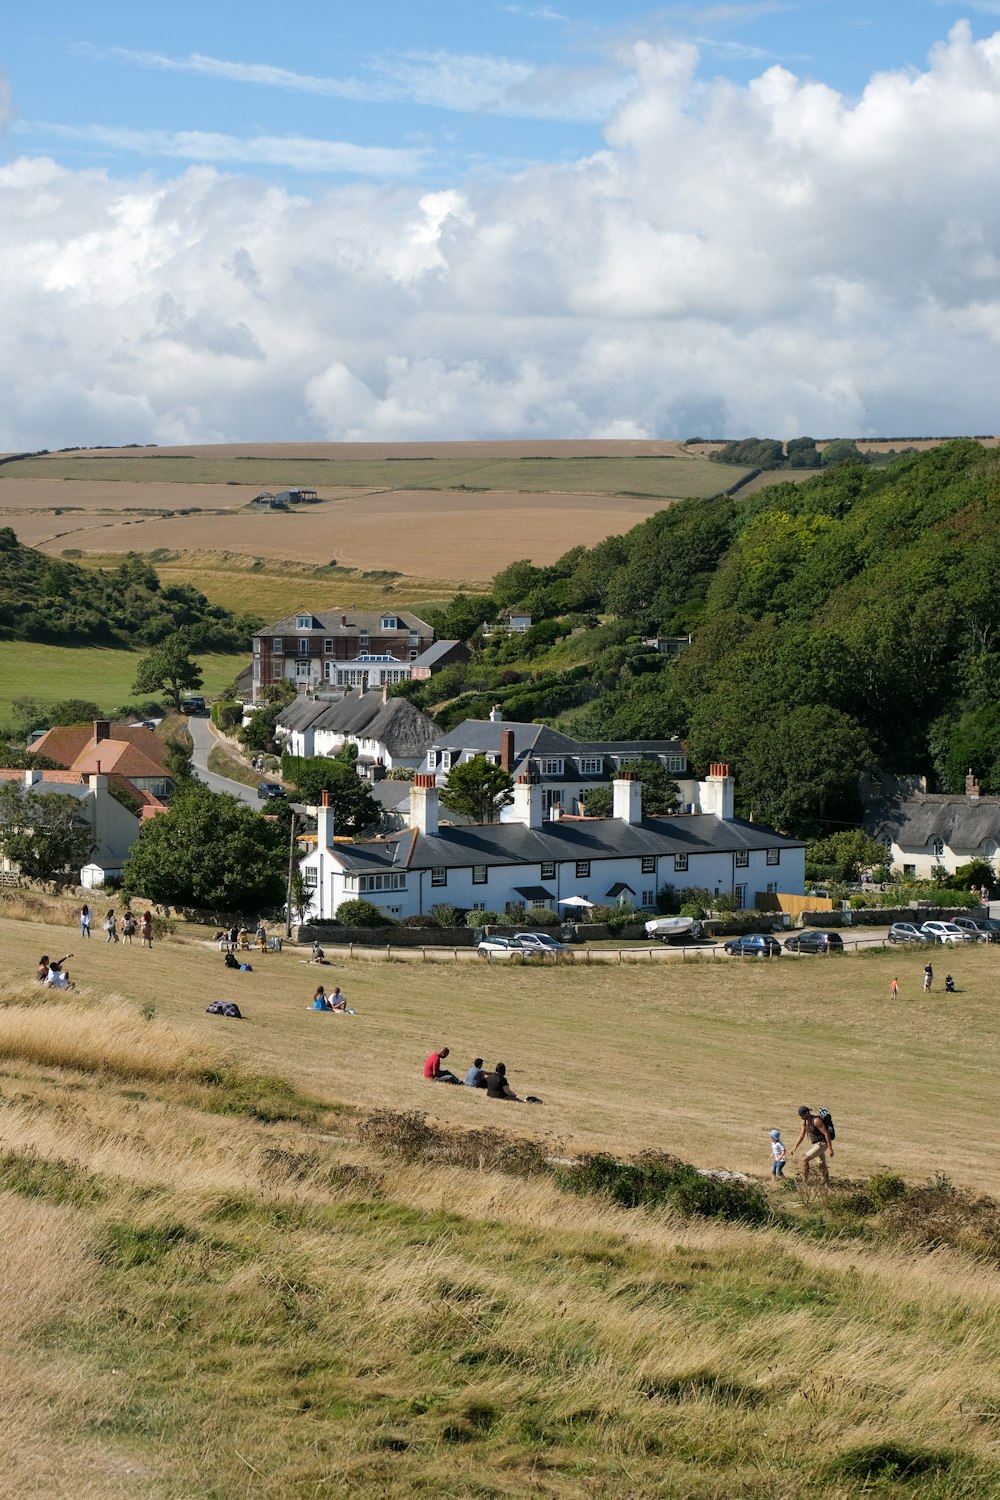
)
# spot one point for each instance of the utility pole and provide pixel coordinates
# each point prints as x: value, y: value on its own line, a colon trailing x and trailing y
x: 291, y: 872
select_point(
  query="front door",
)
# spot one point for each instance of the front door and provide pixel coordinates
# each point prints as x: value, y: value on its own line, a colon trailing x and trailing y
x: 740, y: 892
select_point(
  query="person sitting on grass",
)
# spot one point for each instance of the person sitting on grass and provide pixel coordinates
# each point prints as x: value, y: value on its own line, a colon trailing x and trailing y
x: 475, y: 1078
x: 232, y: 962
x: 320, y: 1001
x: 42, y: 972
x: 58, y: 978
x: 317, y: 956
x: 497, y: 1086
x: 338, y: 1000
x: 434, y: 1071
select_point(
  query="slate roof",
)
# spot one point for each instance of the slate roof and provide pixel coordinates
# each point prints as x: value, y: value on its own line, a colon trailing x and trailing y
x: 482, y: 737
x: 328, y: 622
x: 590, y: 838
x: 434, y: 654
x: 961, y: 822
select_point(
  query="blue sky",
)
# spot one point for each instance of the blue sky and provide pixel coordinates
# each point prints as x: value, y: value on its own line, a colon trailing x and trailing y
x: 427, y: 92
x: 231, y: 222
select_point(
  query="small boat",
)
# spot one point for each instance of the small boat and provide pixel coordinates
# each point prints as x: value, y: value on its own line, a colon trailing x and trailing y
x: 666, y: 928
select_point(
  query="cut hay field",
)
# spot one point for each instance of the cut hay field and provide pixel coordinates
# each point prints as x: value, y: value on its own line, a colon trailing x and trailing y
x: 104, y: 676
x: 437, y: 511
x: 221, y: 1284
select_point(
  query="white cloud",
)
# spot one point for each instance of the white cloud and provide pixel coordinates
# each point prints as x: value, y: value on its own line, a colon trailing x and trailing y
x: 772, y: 258
x: 7, y: 111
x: 463, y: 82
x: 298, y: 152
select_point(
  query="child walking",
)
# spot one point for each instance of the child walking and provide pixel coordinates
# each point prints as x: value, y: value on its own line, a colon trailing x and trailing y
x: 778, y: 1157
x: 894, y: 989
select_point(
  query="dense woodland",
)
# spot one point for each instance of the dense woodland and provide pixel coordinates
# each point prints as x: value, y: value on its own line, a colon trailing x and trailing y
x: 49, y: 599
x: 849, y: 622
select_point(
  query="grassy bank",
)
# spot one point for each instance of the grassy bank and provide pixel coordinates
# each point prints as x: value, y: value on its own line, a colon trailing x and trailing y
x: 51, y: 673
x: 215, y: 1289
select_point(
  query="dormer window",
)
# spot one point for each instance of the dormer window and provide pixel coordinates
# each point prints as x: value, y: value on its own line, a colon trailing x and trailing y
x: 389, y: 622
x: 303, y: 622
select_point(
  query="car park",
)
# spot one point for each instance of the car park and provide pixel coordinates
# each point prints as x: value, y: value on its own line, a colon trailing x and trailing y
x: 980, y: 929
x: 269, y: 791
x: 812, y: 940
x: 754, y: 945
x: 907, y: 932
x: 945, y: 932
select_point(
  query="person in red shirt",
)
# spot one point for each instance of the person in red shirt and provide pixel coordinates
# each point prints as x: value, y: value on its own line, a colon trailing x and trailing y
x: 434, y: 1071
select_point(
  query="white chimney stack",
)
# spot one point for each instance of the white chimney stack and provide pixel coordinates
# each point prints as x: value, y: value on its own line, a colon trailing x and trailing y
x: 32, y: 777
x: 496, y: 714
x: 324, y: 823
x: 528, y: 802
x: 716, y: 793
x: 627, y: 790
x: 424, y: 804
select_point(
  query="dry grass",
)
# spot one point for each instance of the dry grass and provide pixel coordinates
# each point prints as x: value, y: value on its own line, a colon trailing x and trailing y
x: 198, y: 1306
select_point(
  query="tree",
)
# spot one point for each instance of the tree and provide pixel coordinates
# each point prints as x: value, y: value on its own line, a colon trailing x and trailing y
x: 846, y: 853
x: 211, y: 852
x: 361, y: 913
x: 354, y: 807
x: 169, y: 669
x: 660, y: 795
x: 179, y: 749
x: 478, y: 789
x: 43, y: 834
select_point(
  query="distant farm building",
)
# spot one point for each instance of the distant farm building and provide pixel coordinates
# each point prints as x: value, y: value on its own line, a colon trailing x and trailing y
x: 283, y: 499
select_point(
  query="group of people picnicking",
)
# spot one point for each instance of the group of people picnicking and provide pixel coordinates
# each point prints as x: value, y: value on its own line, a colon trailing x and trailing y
x: 337, y: 1002
x: 495, y: 1083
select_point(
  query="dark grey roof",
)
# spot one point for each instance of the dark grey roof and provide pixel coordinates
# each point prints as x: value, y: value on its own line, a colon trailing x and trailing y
x: 391, y: 796
x: 631, y: 747
x: 590, y: 838
x: 535, y: 893
x: 434, y: 653
x: 482, y: 737
x: 332, y: 622
x: 961, y: 822
x: 300, y: 713
x: 619, y: 889
x: 398, y: 725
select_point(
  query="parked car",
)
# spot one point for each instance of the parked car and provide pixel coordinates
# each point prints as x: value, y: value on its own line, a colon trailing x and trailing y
x: 538, y: 942
x: 754, y: 945
x: 814, y: 941
x: 945, y: 932
x: 907, y: 932
x: 980, y: 929
x: 194, y: 703
x: 270, y: 790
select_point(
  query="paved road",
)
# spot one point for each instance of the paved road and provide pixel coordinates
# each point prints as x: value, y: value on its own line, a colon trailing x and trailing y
x: 204, y: 740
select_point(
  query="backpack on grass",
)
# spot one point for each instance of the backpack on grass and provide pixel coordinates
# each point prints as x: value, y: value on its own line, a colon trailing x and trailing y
x: 827, y: 1118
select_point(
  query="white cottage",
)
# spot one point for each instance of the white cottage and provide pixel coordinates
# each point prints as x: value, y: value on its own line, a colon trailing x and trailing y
x: 533, y: 863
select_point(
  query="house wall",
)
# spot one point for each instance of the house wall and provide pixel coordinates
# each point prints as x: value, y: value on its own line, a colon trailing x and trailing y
x: 307, y: 668
x: 716, y: 872
x: 922, y: 862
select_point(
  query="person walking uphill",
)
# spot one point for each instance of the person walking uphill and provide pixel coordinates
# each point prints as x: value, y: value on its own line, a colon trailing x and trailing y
x: 85, y: 921
x: 928, y: 978
x: 146, y: 930
x: 820, y: 1143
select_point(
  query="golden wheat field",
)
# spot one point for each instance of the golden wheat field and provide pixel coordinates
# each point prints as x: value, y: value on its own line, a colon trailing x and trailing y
x: 225, y: 1274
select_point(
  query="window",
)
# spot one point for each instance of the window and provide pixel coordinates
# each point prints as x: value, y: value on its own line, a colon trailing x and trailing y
x: 328, y: 647
x: 494, y: 760
x: 646, y: 899
x: 276, y: 669
x: 742, y: 859
x: 256, y: 669
x: 772, y: 888
x: 414, y: 654
x: 539, y: 906
x: 479, y: 876
x: 389, y: 622
x: 303, y: 646
x: 479, y: 906
x: 446, y: 760
x: 548, y: 869
x: 439, y: 877
x: 256, y: 645
x: 277, y: 647
x: 591, y: 766
x: 432, y: 760
x: 909, y: 869
x: 774, y: 856
x: 626, y: 760
x: 680, y: 862
x: 649, y: 864
x: 389, y: 882
x: 514, y: 906
x: 677, y: 763
x: 310, y: 872
x: 937, y: 848
x: 551, y: 765
x: 583, y: 869
x: 303, y: 622
x: 740, y: 892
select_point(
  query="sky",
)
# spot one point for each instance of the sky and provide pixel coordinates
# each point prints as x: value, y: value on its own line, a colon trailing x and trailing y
x: 502, y: 220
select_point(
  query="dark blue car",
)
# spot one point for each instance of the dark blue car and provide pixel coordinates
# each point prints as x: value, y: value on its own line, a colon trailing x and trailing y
x: 754, y: 945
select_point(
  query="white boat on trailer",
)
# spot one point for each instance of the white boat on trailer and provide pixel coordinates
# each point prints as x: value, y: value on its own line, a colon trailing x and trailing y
x: 667, y: 928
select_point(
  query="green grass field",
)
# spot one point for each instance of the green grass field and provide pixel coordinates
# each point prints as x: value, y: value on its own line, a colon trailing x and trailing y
x: 666, y: 477
x: 222, y: 1280
x: 102, y: 675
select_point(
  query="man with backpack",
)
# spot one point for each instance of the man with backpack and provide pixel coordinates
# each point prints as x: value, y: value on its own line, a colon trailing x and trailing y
x: 821, y: 1134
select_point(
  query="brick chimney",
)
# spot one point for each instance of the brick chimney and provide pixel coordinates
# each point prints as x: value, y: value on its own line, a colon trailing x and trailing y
x: 102, y: 730
x: 528, y: 802
x: 506, y: 749
x: 424, y: 803
x: 627, y: 794
x: 971, y: 784
x: 715, y: 795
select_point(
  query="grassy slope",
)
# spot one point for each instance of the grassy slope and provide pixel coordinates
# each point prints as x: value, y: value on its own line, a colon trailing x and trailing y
x: 51, y: 673
x: 205, y: 1306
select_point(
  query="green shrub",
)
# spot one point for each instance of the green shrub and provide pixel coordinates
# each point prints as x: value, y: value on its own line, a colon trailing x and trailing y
x: 658, y: 1180
x: 483, y: 919
x: 443, y: 914
x: 360, y: 913
x: 226, y: 716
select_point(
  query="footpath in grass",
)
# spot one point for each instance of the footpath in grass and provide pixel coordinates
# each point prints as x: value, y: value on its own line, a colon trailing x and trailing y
x: 105, y: 676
